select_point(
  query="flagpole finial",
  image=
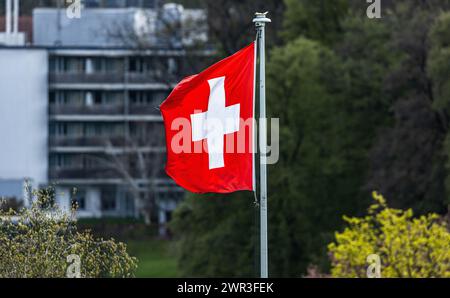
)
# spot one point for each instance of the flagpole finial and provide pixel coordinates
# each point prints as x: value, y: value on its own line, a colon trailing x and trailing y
x: 261, y: 18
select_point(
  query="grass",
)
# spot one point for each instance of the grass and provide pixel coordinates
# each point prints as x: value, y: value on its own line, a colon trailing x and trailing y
x: 155, y: 257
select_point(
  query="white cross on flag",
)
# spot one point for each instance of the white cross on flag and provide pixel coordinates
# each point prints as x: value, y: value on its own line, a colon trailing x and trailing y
x: 209, y: 126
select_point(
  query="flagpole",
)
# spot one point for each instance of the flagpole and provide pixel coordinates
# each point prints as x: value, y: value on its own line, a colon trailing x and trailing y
x: 260, y: 21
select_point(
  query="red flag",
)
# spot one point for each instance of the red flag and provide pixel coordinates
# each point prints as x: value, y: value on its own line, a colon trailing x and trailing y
x: 209, y: 126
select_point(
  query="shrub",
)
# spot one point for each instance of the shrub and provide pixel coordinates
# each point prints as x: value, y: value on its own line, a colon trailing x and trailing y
x: 36, y: 241
x: 407, y: 246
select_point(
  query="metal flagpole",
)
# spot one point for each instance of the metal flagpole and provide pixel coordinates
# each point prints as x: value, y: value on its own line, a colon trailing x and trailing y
x: 260, y: 21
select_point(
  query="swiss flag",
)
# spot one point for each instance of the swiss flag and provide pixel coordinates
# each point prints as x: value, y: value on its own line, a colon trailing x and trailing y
x: 209, y: 123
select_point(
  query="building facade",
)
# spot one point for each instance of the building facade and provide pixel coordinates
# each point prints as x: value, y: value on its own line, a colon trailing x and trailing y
x: 88, y: 114
x: 104, y: 118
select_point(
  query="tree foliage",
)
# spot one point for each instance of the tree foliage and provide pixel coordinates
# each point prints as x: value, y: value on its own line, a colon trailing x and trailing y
x: 407, y: 159
x: 216, y: 236
x: 315, y: 19
x: 408, y: 246
x: 318, y: 161
x: 439, y: 71
x: 230, y: 22
x: 363, y: 105
x: 36, y: 241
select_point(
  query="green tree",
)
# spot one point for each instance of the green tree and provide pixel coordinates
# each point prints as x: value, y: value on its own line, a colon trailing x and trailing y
x: 438, y: 66
x: 407, y: 246
x: 315, y: 19
x: 216, y: 235
x: 407, y: 162
x: 320, y: 162
x: 439, y: 71
x: 230, y: 23
x: 36, y: 242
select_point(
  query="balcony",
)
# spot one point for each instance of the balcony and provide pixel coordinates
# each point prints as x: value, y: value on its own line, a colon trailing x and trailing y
x: 100, y: 172
x: 96, y: 78
x: 86, y: 141
x: 103, y: 110
x: 83, y: 173
x: 86, y: 110
x: 144, y: 110
x: 148, y: 78
x: 111, y: 78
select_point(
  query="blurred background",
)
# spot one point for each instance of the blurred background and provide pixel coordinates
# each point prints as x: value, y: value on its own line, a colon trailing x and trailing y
x: 362, y: 93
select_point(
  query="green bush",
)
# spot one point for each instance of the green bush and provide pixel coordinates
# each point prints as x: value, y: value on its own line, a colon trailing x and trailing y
x: 36, y: 242
x: 407, y: 246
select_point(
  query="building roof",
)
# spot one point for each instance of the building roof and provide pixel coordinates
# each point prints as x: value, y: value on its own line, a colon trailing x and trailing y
x: 52, y: 27
x: 106, y: 27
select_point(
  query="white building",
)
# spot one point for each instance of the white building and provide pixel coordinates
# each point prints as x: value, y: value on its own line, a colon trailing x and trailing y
x: 76, y: 95
x: 23, y: 118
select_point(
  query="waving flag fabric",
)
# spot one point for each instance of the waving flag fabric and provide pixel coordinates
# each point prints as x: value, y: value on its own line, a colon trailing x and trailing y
x: 209, y: 127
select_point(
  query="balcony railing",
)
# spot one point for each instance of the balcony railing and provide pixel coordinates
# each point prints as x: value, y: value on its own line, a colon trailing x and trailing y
x: 110, y: 78
x: 86, y: 141
x: 103, y: 110
x: 144, y: 110
x: 83, y: 173
x: 86, y: 110
x: 145, y: 78
x: 101, y: 172
x: 97, y: 78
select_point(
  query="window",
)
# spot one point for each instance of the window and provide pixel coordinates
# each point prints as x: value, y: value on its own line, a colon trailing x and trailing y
x: 52, y: 98
x: 74, y: 65
x: 140, y: 64
x: 98, y: 97
x: 132, y: 96
x: 92, y: 129
x: 129, y: 201
x: 63, y: 129
x: 53, y: 64
x: 58, y: 129
x: 75, y: 129
x: 61, y: 160
x: 90, y: 162
x: 57, y: 98
x: 112, y: 98
x: 56, y: 64
x: 103, y: 98
x: 108, y: 198
x: 74, y: 98
x: 98, y: 65
x: 140, y: 98
x: 79, y: 199
x: 103, y: 129
x: 113, y: 65
x: 139, y: 130
x: 135, y: 65
x: 147, y: 64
